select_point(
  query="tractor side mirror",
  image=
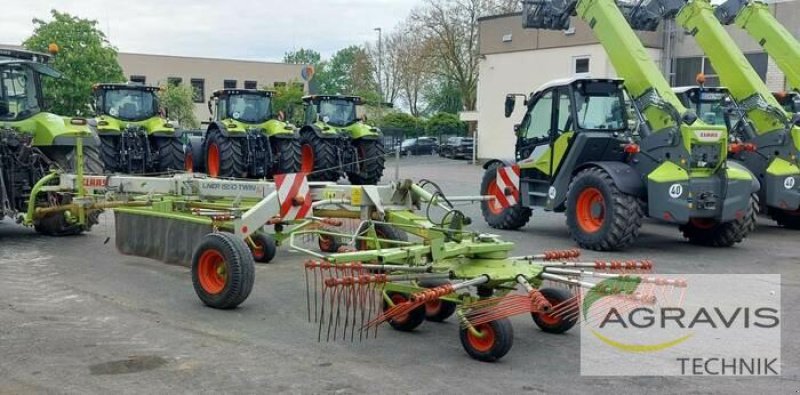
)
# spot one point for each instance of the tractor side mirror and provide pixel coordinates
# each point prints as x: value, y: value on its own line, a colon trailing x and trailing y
x: 511, y: 101
x: 689, y: 117
x: 516, y: 128
x: 796, y: 119
x: 210, y: 109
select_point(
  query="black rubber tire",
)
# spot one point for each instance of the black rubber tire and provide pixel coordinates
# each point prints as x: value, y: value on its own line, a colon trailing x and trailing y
x: 171, y: 154
x: 240, y: 269
x: 511, y: 218
x: 371, y: 162
x: 286, y: 152
x: 725, y: 234
x: 555, y: 296
x: 109, y: 153
x: 383, y: 231
x: 56, y: 224
x: 231, y: 154
x: 499, y: 346
x: 787, y: 219
x: 267, y: 247
x: 329, y: 244
x: 622, y: 218
x: 326, y: 158
x: 411, y: 321
x: 442, y: 310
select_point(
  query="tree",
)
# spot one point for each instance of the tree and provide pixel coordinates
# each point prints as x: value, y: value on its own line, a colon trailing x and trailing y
x: 350, y: 72
x: 177, y: 101
x: 302, y: 56
x: 85, y: 58
x: 445, y: 124
x: 442, y: 95
x: 401, y: 124
x: 288, y: 99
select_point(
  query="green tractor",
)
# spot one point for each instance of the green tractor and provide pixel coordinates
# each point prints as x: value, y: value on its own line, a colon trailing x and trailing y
x: 246, y: 139
x: 337, y: 141
x: 33, y: 142
x: 135, y: 136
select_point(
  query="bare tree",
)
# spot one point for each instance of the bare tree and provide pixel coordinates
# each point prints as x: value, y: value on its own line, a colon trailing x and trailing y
x: 389, y: 78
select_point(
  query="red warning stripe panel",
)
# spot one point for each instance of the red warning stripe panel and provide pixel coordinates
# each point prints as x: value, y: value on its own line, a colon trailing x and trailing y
x: 507, y: 181
x: 291, y: 186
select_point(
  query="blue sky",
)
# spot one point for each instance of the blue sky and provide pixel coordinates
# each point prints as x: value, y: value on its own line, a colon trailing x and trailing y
x: 241, y: 29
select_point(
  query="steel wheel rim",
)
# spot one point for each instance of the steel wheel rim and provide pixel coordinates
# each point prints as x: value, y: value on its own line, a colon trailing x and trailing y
x: 212, y: 272
x: 213, y: 160
x: 485, y: 342
x: 590, y: 210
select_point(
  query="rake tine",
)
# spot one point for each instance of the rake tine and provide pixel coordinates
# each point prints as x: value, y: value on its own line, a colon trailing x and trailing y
x: 330, y: 313
x: 322, y: 314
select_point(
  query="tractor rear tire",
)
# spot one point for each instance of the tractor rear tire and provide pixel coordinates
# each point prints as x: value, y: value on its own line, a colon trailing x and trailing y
x: 172, y: 155
x: 224, y: 156
x: 726, y: 234
x: 787, y: 219
x: 496, y: 342
x: 109, y: 153
x: 223, y: 270
x: 287, y: 156
x: 371, y: 162
x: 56, y: 224
x: 320, y: 157
x: 600, y: 217
x: 509, y: 218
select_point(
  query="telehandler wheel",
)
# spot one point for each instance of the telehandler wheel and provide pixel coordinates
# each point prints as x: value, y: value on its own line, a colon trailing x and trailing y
x: 564, y: 321
x: 708, y: 232
x: 223, y: 270
x: 224, y: 156
x: 406, y: 322
x: 599, y: 216
x: 382, y: 231
x: 787, y: 219
x: 287, y: 156
x: 171, y: 154
x: 509, y: 218
x: 370, y: 162
x: 263, y: 248
x: 320, y: 157
x: 494, y: 341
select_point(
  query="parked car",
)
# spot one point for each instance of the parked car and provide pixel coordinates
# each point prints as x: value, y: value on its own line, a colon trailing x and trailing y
x: 419, y: 146
x: 457, y: 147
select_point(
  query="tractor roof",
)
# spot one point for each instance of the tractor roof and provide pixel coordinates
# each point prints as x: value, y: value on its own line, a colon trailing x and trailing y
x: 684, y: 89
x: 24, y: 55
x: 128, y: 86
x: 572, y: 80
x: 232, y: 92
x: 318, y: 98
x: 40, y: 68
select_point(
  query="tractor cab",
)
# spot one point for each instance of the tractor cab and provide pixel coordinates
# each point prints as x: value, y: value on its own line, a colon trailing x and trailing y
x: 247, y: 106
x: 713, y: 105
x: 337, y: 111
x: 563, y: 109
x: 790, y: 101
x: 20, y: 83
x: 126, y: 102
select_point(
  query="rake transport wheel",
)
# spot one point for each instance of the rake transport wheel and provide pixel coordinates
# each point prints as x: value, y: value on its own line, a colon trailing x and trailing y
x: 171, y: 155
x: 287, y: 155
x: 382, y: 231
x: 406, y: 322
x: 557, y: 324
x: 329, y: 244
x: 787, y: 219
x: 708, y: 232
x: 599, y: 216
x: 320, y: 157
x: 57, y: 224
x: 224, y: 156
x: 263, y: 247
x: 223, y: 270
x: 493, y: 342
x: 437, y: 310
x: 370, y: 162
x: 509, y: 218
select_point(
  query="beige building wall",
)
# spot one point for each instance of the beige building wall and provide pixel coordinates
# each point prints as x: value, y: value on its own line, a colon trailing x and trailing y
x: 524, y: 72
x: 157, y: 69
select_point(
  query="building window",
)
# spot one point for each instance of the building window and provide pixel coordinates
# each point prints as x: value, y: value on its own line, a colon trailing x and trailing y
x: 174, y: 81
x: 279, y: 84
x: 138, y: 79
x: 198, y: 90
x: 759, y: 63
x: 229, y: 84
x: 580, y: 65
x: 687, y: 69
x: 250, y: 85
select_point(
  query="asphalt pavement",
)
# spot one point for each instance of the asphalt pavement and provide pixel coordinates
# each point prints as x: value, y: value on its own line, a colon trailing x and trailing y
x: 78, y: 317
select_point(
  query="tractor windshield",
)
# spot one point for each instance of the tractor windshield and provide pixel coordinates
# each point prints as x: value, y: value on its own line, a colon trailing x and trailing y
x: 130, y: 104
x: 249, y: 108
x: 710, y: 107
x: 601, y: 111
x: 19, y: 97
x: 339, y: 112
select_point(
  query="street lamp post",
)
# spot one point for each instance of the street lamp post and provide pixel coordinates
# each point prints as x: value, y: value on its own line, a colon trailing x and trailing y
x: 380, y: 61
